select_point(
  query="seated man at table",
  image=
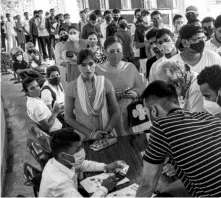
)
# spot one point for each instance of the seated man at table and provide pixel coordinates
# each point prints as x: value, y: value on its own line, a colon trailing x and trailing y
x: 192, y: 140
x: 209, y: 81
x: 59, y: 177
x: 37, y: 110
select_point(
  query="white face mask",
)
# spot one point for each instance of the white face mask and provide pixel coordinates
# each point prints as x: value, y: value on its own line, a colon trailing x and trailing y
x: 74, y: 37
x: 146, y: 19
x: 79, y: 158
x: 19, y: 58
x: 167, y: 47
x: 212, y: 107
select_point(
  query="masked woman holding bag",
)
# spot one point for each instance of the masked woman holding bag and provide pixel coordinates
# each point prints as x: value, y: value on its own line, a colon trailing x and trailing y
x: 92, y: 99
x: 127, y: 81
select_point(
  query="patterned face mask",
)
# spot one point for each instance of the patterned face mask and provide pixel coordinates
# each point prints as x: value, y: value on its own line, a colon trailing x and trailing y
x: 198, y: 47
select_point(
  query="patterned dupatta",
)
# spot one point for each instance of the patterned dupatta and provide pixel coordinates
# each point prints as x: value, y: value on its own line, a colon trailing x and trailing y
x: 99, y: 107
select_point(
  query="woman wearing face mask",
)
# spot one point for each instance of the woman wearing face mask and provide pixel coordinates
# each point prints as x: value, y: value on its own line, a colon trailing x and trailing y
x: 52, y: 90
x: 59, y: 60
x: 127, y: 82
x: 70, y: 51
x: 96, y: 48
x: 93, y: 100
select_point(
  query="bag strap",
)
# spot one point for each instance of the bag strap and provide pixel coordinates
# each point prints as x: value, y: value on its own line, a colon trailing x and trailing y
x: 61, y: 88
x: 52, y: 94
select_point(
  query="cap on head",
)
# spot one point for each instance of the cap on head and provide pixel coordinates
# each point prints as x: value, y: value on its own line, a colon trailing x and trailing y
x: 189, y: 30
x: 191, y: 9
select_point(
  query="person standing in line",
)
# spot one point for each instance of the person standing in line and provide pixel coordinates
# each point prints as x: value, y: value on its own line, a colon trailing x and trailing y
x: 50, y: 21
x: 10, y: 32
x: 3, y: 37
x: 113, y: 26
x: 83, y: 21
x: 108, y: 18
x: 208, y: 27
x: 34, y: 31
x: 26, y: 27
x: 139, y: 39
x: 19, y: 29
x: 43, y: 35
x: 178, y: 22
x: 214, y: 43
x: 67, y: 22
x: 192, y: 14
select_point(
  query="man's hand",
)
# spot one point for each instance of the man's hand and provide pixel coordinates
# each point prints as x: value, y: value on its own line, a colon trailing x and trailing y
x: 169, y: 170
x: 110, y: 183
x: 57, y: 108
x: 130, y: 94
x: 98, y: 135
x: 113, y: 166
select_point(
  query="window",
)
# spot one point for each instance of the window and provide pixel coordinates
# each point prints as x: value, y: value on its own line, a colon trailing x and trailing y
x: 126, y: 4
x: 104, y: 4
x: 82, y: 4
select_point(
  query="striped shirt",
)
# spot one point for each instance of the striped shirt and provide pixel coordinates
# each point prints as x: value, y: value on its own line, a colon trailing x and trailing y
x: 193, y: 141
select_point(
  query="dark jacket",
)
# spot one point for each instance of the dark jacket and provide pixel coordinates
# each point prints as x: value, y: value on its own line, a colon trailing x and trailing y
x: 33, y: 27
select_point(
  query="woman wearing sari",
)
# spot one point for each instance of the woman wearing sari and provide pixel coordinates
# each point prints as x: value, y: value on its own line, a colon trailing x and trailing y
x: 70, y: 51
x: 93, y: 100
x: 127, y: 81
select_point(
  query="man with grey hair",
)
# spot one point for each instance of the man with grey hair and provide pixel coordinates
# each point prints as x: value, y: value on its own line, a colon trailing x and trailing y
x: 185, y: 82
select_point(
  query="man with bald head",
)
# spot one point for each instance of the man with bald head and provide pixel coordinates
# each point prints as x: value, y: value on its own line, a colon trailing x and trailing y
x: 33, y: 58
x: 185, y: 82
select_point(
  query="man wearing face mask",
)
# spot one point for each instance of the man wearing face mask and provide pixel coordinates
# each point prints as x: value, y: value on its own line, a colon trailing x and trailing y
x: 59, y: 178
x: 113, y: 26
x: 37, y: 110
x: 214, y: 43
x: 165, y: 42
x: 209, y: 81
x: 194, y: 54
x: 52, y: 90
x: 208, y: 27
x: 124, y: 34
x: 151, y: 38
x: 191, y: 139
x: 108, y: 18
x: 21, y: 67
x: 142, y: 27
x: 191, y: 14
x: 92, y: 26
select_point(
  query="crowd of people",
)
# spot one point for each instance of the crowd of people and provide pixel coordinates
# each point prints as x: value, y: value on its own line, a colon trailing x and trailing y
x: 102, y: 65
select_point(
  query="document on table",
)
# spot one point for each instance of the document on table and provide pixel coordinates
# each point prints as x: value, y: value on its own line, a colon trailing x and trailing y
x: 129, y: 191
x: 91, y: 184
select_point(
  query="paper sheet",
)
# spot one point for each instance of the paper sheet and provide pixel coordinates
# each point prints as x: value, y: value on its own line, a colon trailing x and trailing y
x: 129, y: 191
x: 91, y: 184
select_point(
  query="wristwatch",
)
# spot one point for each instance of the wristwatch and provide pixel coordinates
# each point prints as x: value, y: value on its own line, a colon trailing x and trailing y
x: 105, y: 168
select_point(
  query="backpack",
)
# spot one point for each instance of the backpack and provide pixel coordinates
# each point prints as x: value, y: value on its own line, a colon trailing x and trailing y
x: 53, y: 94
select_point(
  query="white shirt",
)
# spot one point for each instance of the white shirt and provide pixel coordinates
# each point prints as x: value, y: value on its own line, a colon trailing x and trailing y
x: 194, y: 100
x: 42, y: 31
x: 37, y: 110
x: 26, y: 26
x: 60, y: 181
x: 9, y: 27
x: 103, y: 28
x: 47, y: 97
x: 29, y: 59
x: 210, y: 46
x: 208, y: 58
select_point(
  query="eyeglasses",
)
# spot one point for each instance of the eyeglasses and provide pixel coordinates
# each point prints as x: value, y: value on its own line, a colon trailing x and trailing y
x: 90, y: 64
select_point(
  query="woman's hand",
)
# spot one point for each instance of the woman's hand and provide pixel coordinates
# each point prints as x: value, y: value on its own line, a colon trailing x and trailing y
x: 119, y: 94
x: 130, y: 94
x: 169, y: 170
x: 98, y: 135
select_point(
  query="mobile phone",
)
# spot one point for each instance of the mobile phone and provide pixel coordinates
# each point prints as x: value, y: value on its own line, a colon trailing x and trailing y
x: 70, y: 54
x: 119, y: 176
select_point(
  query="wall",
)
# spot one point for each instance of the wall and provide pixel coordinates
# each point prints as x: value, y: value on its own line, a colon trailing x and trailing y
x: 3, y: 146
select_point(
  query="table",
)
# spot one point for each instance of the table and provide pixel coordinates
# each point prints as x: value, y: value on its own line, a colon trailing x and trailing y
x: 128, y: 149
